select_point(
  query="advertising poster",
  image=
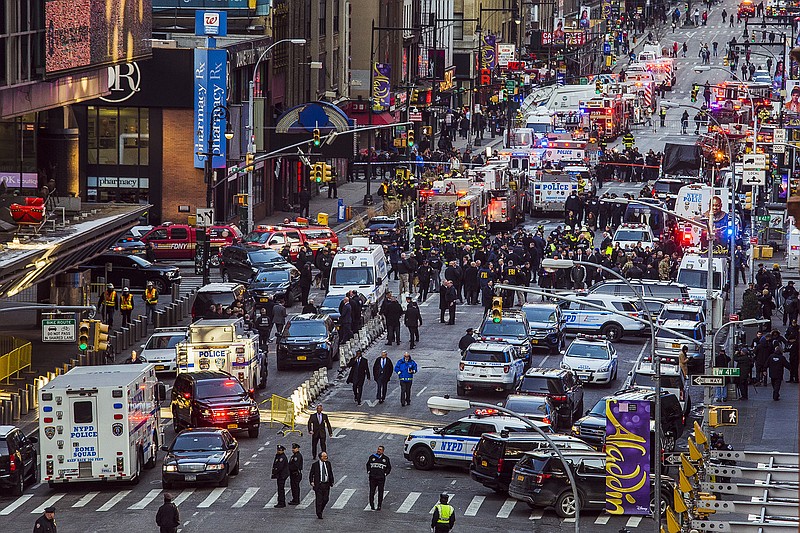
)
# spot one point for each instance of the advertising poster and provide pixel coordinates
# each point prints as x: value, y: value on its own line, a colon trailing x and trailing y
x: 792, y: 103
x: 584, y: 17
x: 559, y: 33
x: 381, y: 87
x: 489, y: 52
x: 210, y: 92
x: 628, y: 457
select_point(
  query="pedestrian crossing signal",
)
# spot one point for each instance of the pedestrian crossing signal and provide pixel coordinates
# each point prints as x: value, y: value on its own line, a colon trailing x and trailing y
x: 317, y: 140
x: 722, y: 416
x: 497, y: 309
x: 84, y: 332
x: 695, y: 90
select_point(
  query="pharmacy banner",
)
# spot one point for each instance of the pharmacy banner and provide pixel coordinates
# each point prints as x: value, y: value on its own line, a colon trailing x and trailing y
x: 381, y: 87
x: 210, y: 97
x: 628, y: 457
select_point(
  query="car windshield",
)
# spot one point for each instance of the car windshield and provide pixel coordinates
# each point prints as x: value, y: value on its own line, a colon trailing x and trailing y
x: 260, y: 237
x: 352, y: 276
x: 528, y: 405
x: 540, y: 314
x: 164, y: 342
x: 599, y: 409
x: 265, y: 256
x: 272, y: 276
x: 480, y: 356
x: 377, y: 223
x: 674, y: 314
x: 504, y: 328
x: 219, y: 388
x: 588, y: 351
x: 307, y: 328
x: 539, y: 385
x: 332, y: 302
x: 664, y: 334
x: 671, y: 381
x: 632, y: 235
x: 698, y: 278
x: 191, y: 442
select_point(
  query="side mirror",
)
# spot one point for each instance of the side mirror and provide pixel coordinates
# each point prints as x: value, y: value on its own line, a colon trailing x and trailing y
x: 586, y: 413
x: 161, y: 392
x: 437, y: 430
x: 232, y: 446
x: 165, y: 448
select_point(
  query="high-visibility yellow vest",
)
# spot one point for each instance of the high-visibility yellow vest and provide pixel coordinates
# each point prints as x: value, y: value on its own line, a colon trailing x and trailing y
x: 110, y: 300
x: 445, y: 512
x: 126, y: 303
x: 151, y: 296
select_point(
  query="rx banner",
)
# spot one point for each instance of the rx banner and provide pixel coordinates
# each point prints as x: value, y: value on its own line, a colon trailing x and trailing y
x: 381, y: 88
x: 210, y: 93
x: 628, y: 457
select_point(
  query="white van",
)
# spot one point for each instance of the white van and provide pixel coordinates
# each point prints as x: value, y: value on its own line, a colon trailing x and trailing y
x: 362, y: 267
x: 693, y: 272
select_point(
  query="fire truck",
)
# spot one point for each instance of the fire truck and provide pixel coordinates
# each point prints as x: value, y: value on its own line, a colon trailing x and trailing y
x: 608, y: 116
x: 454, y: 197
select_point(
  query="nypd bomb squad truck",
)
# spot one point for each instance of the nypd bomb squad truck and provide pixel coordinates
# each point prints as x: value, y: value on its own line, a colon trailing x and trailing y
x: 100, y: 423
x: 548, y: 191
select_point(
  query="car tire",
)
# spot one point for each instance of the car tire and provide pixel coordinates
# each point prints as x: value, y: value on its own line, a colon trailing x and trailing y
x: 612, y: 331
x: 578, y: 412
x: 281, y: 365
x: 565, y: 505
x: 235, y: 471
x: 253, y: 432
x: 160, y: 285
x: 224, y: 481
x: 460, y: 390
x: 213, y: 260
x: 19, y: 486
x: 422, y: 458
x: 151, y: 463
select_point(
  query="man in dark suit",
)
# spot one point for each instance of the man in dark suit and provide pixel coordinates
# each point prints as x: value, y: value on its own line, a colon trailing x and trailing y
x: 317, y: 423
x: 382, y: 371
x: 321, y: 478
x: 359, y: 372
x: 345, y: 320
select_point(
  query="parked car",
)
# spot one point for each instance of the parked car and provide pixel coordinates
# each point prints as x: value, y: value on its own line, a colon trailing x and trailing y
x: 224, y: 294
x: 129, y: 246
x: 200, y: 455
x: 592, y: 358
x: 539, y: 408
x: 513, y: 329
x: 17, y: 460
x: 160, y: 348
x: 545, y: 326
x: 307, y: 339
x: 656, y: 289
x: 562, y: 387
x: 316, y: 237
x: 276, y: 237
x: 241, y: 263
x: 136, y: 270
x: 600, y: 313
x: 280, y: 281
x: 213, y: 399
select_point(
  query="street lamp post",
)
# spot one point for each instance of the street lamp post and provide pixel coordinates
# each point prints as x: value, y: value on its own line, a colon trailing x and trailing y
x: 251, y: 141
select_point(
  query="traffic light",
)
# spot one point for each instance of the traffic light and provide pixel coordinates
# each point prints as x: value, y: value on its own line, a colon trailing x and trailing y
x: 427, y: 130
x: 748, y: 200
x: 486, y: 76
x: 410, y: 138
x: 317, y: 172
x: 598, y: 86
x: 249, y: 160
x: 240, y: 199
x: 84, y: 335
x: 317, y: 140
x: 414, y: 96
x: 327, y: 172
x: 497, y: 309
x: 695, y: 90
x: 100, y: 337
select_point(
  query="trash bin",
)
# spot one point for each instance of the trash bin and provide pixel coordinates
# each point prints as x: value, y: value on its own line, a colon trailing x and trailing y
x: 322, y: 219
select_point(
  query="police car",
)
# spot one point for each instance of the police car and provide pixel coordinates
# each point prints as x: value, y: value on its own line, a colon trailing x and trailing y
x: 682, y: 309
x: 453, y: 444
x: 592, y: 358
x: 629, y: 235
x: 493, y: 366
x: 672, y: 379
x: 160, y: 348
x: 598, y: 313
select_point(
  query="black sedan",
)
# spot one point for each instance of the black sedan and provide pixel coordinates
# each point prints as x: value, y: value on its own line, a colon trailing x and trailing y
x: 129, y: 246
x: 136, y: 270
x: 200, y: 455
x: 276, y: 282
x: 308, y: 339
x: 330, y: 305
x: 386, y: 230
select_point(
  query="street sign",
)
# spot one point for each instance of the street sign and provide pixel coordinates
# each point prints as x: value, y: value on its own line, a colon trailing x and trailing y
x: 733, y: 318
x: 725, y: 372
x: 753, y: 240
x: 505, y: 53
x: 415, y: 117
x: 779, y: 138
x: 763, y: 218
x: 708, y: 381
x: 754, y: 162
x: 58, y: 330
x: 753, y: 177
x: 205, y: 217
x: 672, y: 458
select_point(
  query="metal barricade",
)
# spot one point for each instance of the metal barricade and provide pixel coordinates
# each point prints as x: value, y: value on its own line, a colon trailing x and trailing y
x: 15, y: 355
x: 282, y: 412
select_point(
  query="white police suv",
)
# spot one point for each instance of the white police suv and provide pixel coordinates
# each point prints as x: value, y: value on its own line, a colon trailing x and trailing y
x: 592, y: 358
x: 629, y: 235
x: 600, y: 313
x: 495, y: 366
x: 453, y: 444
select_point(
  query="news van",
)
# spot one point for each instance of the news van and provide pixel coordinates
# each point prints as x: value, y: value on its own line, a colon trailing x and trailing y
x: 362, y: 267
x: 100, y: 423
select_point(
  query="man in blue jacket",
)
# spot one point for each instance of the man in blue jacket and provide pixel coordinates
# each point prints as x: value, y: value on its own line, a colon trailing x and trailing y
x: 405, y: 369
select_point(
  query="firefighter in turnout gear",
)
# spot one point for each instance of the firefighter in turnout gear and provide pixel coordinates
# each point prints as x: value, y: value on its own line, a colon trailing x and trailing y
x: 126, y: 306
x: 108, y: 304
x: 628, y: 140
x: 150, y: 298
x: 378, y: 467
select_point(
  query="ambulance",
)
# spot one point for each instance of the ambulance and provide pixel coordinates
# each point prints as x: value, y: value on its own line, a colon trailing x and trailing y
x: 693, y: 272
x: 362, y: 267
x: 223, y: 344
x: 100, y: 423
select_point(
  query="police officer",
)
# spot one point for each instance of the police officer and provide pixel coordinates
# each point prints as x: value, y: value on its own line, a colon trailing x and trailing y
x: 47, y: 522
x: 126, y: 306
x: 378, y: 467
x: 108, y: 304
x: 444, y: 516
x: 150, y: 298
x: 280, y: 472
x: 168, y: 517
x: 466, y: 340
x: 295, y: 473
x: 263, y: 325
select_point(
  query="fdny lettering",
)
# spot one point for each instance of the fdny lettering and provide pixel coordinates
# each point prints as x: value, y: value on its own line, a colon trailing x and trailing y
x: 83, y: 432
x: 452, y: 446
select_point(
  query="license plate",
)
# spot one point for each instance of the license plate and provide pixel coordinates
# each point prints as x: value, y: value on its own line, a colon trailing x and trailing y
x: 520, y: 478
x: 676, y: 345
x: 484, y: 463
x: 233, y: 426
x: 160, y: 367
x: 190, y: 477
x: 534, y: 341
x: 301, y: 357
x: 263, y: 300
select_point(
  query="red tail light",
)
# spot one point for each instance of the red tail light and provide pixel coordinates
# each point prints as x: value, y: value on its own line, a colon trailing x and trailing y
x: 539, y: 478
x: 461, y: 366
x: 546, y: 420
x: 12, y: 463
x: 559, y: 398
x: 187, y: 395
x: 506, y: 368
x: 500, y: 466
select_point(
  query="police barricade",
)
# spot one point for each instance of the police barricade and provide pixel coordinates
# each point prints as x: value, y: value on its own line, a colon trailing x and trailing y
x: 282, y: 411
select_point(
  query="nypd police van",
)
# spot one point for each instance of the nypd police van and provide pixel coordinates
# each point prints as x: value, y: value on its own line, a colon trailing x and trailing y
x: 362, y: 267
x: 454, y: 444
x: 612, y: 316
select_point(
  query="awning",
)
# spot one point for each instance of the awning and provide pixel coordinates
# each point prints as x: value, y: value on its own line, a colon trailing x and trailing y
x: 384, y: 118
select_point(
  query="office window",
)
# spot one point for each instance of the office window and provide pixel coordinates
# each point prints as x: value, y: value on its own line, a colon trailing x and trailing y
x: 458, y: 26
x: 323, y: 9
x: 335, y: 16
x: 118, y: 136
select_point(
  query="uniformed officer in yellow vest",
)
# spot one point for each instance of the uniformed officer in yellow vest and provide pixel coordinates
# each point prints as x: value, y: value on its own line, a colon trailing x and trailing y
x: 108, y: 304
x: 150, y: 298
x: 444, y: 516
x: 126, y: 306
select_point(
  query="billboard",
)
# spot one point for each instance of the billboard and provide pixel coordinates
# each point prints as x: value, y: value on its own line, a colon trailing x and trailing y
x: 87, y: 33
x: 792, y: 103
x: 210, y: 92
x: 585, y: 17
x: 489, y: 52
x: 381, y: 87
x: 628, y: 457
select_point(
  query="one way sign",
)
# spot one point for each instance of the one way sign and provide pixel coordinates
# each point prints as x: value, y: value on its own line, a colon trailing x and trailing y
x: 708, y: 381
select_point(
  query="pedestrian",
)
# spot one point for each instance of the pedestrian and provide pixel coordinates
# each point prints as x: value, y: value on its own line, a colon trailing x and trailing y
x: 662, y: 113
x: 413, y: 320
x: 447, y: 302
x: 280, y: 473
x: 168, y: 518
x: 305, y: 202
x: 745, y: 365
x: 378, y: 467
x: 777, y: 363
x: 310, y: 307
x: 108, y: 304
x: 134, y: 359
x: 721, y: 360
x: 405, y: 369
x: 279, y: 316
x: 466, y: 340
x: 392, y: 311
x: 321, y: 478
x: 150, y: 298
x: 359, y: 372
x: 444, y: 516
x: 317, y: 424
x: 126, y: 306
x: 345, y: 320
x: 403, y: 272
x: 305, y: 282
x: 333, y: 187
x: 47, y: 522
x: 295, y: 473
x: 382, y: 371
x: 684, y: 121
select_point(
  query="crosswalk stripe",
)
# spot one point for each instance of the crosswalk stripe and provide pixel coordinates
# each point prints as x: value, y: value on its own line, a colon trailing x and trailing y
x: 211, y: 498
x: 367, y: 508
x: 113, y: 501
x: 536, y: 515
x: 50, y: 501
x: 307, y: 500
x: 602, y: 519
x: 85, y: 500
x: 633, y: 521
x: 474, y: 505
x: 569, y: 520
x: 449, y: 500
x: 409, y: 502
x: 144, y: 502
x: 508, y: 506
x: 246, y: 497
x: 10, y: 508
x: 343, y: 498
x: 180, y: 498
x: 272, y: 501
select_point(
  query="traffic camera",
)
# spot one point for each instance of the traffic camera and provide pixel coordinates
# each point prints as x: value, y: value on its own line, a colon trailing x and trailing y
x: 100, y: 337
x: 317, y: 140
x: 497, y: 309
x: 84, y: 335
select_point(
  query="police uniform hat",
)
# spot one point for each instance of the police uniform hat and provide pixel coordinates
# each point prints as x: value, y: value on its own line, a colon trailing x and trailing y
x: 295, y: 446
x: 281, y: 448
x: 470, y: 330
x: 50, y: 509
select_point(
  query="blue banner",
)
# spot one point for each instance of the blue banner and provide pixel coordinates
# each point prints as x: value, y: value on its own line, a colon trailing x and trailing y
x: 201, y: 4
x: 211, y: 23
x: 210, y: 93
x: 628, y: 457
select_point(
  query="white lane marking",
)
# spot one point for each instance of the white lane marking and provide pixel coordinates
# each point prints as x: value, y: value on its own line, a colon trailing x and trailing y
x: 569, y: 520
x: 272, y: 501
x: 307, y: 500
x: 367, y: 508
x: 211, y: 498
x: 602, y: 519
x: 505, y: 510
x: 113, y: 501
x: 421, y: 391
x: 633, y: 521
x: 50, y: 501
x: 536, y: 515
x: 449, y: 500
x: 409, y: 502
x: 15, y: 504
x: 86, y: 499
x: 246, y: 497
x: 474, y: 506
x: 343, y: 498
x: 182, y: 496
x: 144, y: 502
x: 339, y: 482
